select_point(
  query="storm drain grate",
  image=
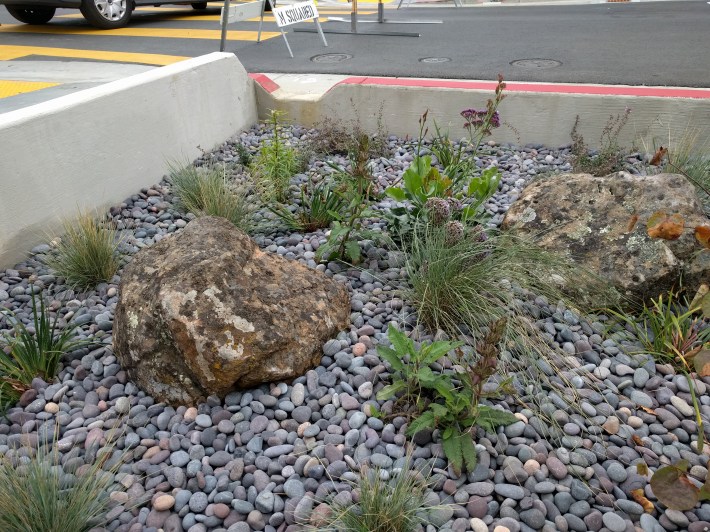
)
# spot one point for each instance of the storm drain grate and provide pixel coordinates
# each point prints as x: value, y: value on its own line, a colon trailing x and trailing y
x: 330, y: 58
x: 536, y: 63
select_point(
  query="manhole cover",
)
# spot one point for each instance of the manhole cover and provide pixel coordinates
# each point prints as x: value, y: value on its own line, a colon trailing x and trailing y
x: 536, y: 63
x: 331, y: 58
x: 435, y: 60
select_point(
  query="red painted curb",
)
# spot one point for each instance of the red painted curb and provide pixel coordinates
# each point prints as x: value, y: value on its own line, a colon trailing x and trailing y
x: 265, y: 81
x: 511, y: 86
x: 605, y: 90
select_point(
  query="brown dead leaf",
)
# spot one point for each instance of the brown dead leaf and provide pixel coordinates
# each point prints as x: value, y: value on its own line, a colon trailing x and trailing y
x: 702, y: 235
x: 637, y: 440
x: 648, y: 410
x: 658, y: 156
x: 661, y: 225
x: 640, y: 498
x: 632, y: 223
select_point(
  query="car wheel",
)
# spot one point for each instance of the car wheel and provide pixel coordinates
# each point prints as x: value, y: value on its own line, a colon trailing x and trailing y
x: 32, y: 14
x: 107, y: 14
x: 199, y: 5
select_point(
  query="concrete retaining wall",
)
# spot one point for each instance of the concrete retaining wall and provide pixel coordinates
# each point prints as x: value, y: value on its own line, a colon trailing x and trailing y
x: 98, y: 146
x: 545, y: 116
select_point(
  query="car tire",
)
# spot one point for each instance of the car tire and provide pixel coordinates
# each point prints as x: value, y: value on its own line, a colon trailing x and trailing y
x: 107, y: 14
x: 32, y: 14
x: 199, y: 5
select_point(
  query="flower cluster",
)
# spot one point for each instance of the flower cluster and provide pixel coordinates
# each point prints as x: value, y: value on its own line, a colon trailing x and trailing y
x: 476, y: 118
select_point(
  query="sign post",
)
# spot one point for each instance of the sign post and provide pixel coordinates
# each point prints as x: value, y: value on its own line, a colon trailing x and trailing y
x: 293, y: 14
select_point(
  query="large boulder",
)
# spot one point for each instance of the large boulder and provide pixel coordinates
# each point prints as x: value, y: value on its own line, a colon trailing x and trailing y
x: 588, y: 218
x: 206, y: 311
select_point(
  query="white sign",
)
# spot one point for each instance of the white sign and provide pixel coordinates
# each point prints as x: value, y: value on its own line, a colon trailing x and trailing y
x: 287, y: 15
x: 244, y: 11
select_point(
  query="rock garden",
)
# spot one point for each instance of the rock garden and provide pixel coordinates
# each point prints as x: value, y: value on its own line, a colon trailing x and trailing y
x: 321, y: 329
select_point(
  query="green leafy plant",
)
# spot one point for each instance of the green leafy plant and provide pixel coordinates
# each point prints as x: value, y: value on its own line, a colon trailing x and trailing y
x: 317, y: 210
x: 422, y: 184
x: 394, y: 505
x: 31, y: 355
x: 412, y: 374
x: 449, y: 402
x: 345, y: 234
x: 87, y: 254
x: 452, y: 157
x: 34, y: 494
x: 275, y: 163
x: 610, y: 158
x: 208, y: 191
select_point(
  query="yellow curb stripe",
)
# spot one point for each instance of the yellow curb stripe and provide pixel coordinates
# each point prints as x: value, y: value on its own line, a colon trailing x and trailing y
x: 164, y: 33
x: 8, y: 53
x: 13, y: 88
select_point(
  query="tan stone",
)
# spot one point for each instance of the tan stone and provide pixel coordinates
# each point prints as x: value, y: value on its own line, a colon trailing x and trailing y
x: 206, y: 311
x: 588, y: 218
x: 163, y: 502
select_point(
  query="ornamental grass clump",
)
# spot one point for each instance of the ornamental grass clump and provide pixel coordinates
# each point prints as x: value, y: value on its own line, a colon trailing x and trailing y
x: 207, y: 191
x: 35, y: 495
x: 397, y: 504
x: 319, y: 207
x: 458, y: 274
x: 87, y: 254
x: 28, y: 354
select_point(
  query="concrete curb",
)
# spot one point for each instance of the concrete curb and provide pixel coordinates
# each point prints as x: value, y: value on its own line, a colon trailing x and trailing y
x: 97, y: 146
x: 539, y: 113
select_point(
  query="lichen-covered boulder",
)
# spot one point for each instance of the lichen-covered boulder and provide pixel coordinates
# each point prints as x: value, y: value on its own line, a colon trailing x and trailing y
x: 589, y: 219
x: 206, y: 311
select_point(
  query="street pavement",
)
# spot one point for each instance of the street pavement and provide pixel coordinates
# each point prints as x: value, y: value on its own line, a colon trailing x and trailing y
x: 636, y: 43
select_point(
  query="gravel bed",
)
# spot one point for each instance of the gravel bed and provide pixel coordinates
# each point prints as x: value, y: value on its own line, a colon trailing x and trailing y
x: 268, y: 458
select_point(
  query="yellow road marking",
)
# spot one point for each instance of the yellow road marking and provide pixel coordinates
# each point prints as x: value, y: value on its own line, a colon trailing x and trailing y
x: 13, y: 88
x: 8, y: 53
x: 215, y: 18
x: 168, y: 33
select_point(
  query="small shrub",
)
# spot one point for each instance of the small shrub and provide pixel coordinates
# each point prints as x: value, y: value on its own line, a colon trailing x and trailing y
x: 317, y: 210
x: 87, y: 254
x: 610, y: 158
x: 275, y: 163
x: 35, y: 354
x: 243, y: 154
x: 33, y: 496
x: 394, y: 505
x: 331, y: 137
x: 207, y: 191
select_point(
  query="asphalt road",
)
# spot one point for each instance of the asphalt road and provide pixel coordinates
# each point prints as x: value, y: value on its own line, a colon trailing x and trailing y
x: 647, y: 43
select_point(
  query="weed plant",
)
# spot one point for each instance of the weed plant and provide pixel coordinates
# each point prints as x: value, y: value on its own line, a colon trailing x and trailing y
x: 394, y: 505
x: 689, y: 155
x: 34, y: 497
x: 35, y: 354
x: 610, y: 158
x: 319, y: 207
x: 275, y: 163
x: 87, y: 254
x: 331, y: 137
x: 207, y: 191
x: 674, y: 333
